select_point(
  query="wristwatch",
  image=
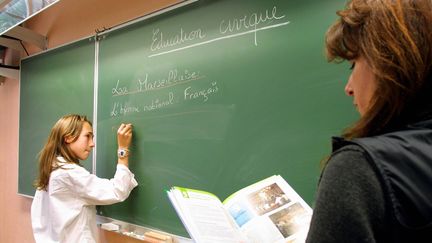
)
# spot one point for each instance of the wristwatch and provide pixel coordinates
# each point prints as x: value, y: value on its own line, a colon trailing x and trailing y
x: 122, y: 153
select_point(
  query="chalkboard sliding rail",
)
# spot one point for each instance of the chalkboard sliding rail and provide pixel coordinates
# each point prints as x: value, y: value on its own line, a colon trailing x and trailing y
x: 146, y: 16
x: 137, y: 231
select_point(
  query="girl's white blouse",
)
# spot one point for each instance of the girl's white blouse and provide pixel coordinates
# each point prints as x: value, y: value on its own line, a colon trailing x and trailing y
x: 66, y: 212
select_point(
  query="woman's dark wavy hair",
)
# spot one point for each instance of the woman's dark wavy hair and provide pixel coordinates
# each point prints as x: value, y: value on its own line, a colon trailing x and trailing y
x: 395, y: 37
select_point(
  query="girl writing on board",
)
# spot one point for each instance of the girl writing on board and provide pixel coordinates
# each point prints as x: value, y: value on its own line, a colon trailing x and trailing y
x: 63, y: 208
x: 377, y: 184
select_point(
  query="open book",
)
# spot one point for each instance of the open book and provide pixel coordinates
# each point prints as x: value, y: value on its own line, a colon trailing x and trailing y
x: 268, y: 211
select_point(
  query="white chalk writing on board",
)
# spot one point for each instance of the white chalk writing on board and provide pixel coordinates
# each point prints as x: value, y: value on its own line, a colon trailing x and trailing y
x: 161, y: 41
x: 164, y: 90
x: 231, y: 28
x: 204, y: 94
x: 249, y: 22
x: 172, y: 78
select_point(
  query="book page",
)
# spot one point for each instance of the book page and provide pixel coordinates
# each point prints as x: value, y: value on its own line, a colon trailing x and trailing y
x: 270, y: 211
x: 204, y: 216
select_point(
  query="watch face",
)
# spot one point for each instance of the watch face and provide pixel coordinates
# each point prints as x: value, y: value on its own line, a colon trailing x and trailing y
x: 122, y: 153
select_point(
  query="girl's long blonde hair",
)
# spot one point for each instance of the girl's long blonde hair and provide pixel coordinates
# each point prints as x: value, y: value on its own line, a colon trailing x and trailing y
x: 68, y: 126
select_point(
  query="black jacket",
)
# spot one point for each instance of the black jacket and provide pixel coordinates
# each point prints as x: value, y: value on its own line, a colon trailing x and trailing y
x: 403, y: 160
x: 377, y: 189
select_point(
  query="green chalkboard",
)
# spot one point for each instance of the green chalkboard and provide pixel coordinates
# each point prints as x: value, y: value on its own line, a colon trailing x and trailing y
x: 52, y: 84
x: 222, y: 93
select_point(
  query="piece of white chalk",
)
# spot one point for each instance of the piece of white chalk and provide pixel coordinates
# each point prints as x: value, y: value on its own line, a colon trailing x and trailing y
x: 110, y: 226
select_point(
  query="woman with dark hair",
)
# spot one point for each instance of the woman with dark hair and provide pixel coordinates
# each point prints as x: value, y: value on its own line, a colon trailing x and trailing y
x: 377, y: 184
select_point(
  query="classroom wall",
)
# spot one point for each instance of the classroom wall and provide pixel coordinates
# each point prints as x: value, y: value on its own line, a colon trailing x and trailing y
x: 64, y: 22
